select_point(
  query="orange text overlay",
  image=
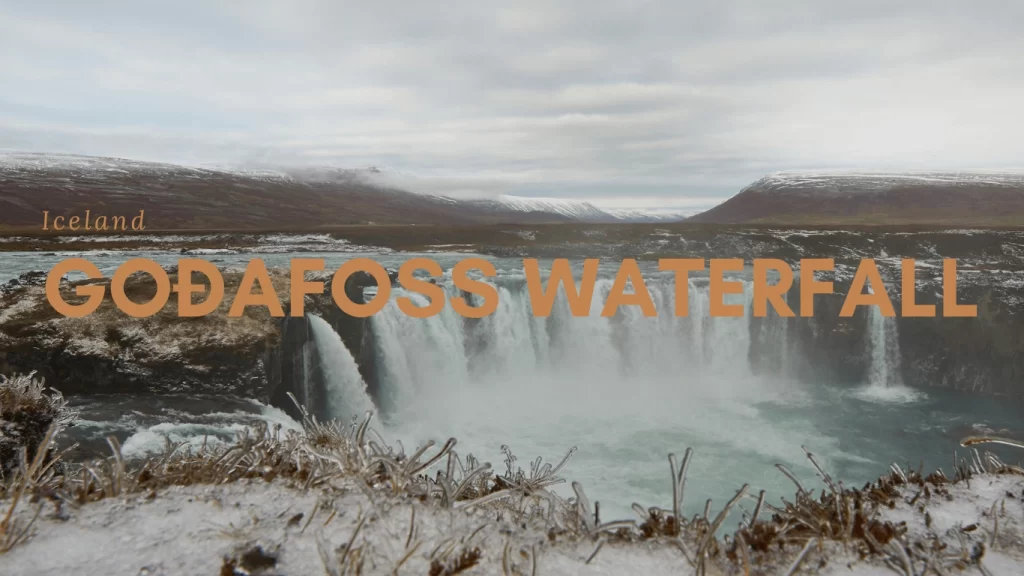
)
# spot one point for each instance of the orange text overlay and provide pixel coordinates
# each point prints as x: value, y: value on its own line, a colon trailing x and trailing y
x: 628, y: 289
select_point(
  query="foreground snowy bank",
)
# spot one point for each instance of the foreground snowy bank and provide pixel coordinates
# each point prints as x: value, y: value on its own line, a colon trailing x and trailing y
x: 258, y: 527
x: 333, y: 500
x: 200, y: 529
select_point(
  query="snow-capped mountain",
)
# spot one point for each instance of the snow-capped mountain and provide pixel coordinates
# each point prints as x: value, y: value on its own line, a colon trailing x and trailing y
x: 188, y: 197
x: 14, y: 162
x: 975, y: 198
x: 650, y: 214
x: 10, y: 161
x: 565, y: 208
x: 874, y: 182
x: 230, y: 198
x: 582, y: 210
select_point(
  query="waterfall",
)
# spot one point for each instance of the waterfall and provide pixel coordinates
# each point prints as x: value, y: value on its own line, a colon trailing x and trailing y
x: 774, y: 349
x: 512, y: 341
x: 344, y: 392
x: 308, y: 352
x: 423, y: 363
x: 724, y: 341
x: 785, y: 356
x: 883, y: 340
x: 419, y: 359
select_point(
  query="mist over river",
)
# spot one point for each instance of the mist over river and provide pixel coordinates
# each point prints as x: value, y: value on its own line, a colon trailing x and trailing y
x: 626, y: 390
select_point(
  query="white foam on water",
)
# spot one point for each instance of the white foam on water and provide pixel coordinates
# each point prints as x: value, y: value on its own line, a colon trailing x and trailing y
x: 276, y: 416
x: 889, y: 394
x: 195, y: 430
x: 153, y: 440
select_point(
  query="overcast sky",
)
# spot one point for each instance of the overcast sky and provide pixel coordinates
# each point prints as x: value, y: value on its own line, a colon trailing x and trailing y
x: 635, y: 102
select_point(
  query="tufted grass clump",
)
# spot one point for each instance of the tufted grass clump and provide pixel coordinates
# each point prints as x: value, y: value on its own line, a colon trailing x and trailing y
x: 27, y: 410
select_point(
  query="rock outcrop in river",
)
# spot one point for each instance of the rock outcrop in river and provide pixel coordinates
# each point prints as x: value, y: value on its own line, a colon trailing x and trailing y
x: 109, y: 351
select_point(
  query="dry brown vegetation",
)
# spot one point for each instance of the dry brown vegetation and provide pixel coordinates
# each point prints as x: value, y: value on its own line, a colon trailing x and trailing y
x: 771, y: 539
x: 30, y: 416
x: 27, y: 410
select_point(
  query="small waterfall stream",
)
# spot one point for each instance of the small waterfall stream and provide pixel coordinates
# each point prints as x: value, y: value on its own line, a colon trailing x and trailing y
x: 344, y: 391
x: 883, y: 340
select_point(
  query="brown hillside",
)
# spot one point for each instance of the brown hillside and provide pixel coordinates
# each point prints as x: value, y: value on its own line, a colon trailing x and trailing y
x: 951, y: 199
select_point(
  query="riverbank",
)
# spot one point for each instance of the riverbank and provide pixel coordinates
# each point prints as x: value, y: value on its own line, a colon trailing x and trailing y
x: 270, y: 528
x: 337, y: 500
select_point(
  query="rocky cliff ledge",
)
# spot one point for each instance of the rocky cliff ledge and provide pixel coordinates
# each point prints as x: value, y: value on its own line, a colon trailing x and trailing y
x: 984, y: 354
x: 265, y: 358
x: 109, y: 351
x: 254, y: 356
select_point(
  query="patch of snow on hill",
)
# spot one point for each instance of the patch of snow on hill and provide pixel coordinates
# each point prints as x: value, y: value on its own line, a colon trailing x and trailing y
x: 650, y: 214
x: 24, y: 161
x: 881, y: 181
x: 586, y: 211
x: 573, y: 209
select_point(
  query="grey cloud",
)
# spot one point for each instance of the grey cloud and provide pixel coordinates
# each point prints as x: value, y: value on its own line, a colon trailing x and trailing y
x: 590, y: 99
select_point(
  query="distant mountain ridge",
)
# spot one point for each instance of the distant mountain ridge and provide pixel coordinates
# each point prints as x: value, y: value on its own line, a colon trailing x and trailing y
x: 650, y: 214
x: 183, y: 197
x: 980, y: 199
x: 578, y: 210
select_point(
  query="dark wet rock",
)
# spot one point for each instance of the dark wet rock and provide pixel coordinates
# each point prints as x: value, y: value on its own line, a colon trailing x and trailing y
x: 254, y: 356
x: 109, y: 351
x: 983, y: 354
x: 294, y: 363
x: 34, y: 278
x: 252, y: 559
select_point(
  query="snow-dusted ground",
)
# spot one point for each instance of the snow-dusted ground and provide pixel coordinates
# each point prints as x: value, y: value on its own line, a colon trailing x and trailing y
x: 191, y: 530
x: 988, y: 510
x: 986, y: 514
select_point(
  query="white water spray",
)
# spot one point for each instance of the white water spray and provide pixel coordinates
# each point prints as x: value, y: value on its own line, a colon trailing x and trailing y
x: 344, y: 390
x: 447, y: 363
x: 420, y: 359
x: 626, y: 388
